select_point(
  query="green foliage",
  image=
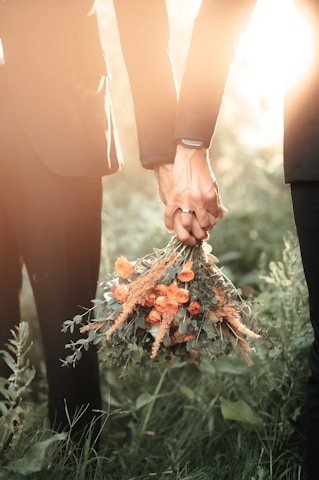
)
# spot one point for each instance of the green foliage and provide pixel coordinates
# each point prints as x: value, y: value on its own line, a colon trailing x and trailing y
x: 222, y: 420
x: 257, y: 221
x: 185, y: 418
x: 33, y: 461
x: 13, y: 389
x: 239, y: 411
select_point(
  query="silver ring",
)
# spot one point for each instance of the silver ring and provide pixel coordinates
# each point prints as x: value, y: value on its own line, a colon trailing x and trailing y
x: 186, y: 210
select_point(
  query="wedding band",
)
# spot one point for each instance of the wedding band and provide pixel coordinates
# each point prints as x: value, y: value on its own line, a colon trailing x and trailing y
x: 186, y: 210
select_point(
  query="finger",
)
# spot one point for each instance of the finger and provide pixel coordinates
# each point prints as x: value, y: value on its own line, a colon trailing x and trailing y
x: 204, y: 219
x: 185, y: 236
x: 190, y: 232
x: 198, y: 232
x: 223, y: 212
x: 169, y: 214
x: 183, y: 228
x: 201, y: 233
x: 174, y: 213
x: 212, y: 200
x: 186, y: 218
x: 209, y: 205
x: 218, y: 211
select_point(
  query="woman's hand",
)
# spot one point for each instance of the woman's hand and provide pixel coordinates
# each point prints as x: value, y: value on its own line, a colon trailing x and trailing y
x: 190, y: 192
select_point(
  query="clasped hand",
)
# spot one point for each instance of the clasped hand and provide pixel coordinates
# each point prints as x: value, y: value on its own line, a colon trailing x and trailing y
x: 189, y: 184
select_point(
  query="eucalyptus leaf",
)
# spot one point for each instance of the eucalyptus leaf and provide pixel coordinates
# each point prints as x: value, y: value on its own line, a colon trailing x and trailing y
x: 183, y: 327
x: 77, y: 318
x: 98, y: 301
x: 140, y: 322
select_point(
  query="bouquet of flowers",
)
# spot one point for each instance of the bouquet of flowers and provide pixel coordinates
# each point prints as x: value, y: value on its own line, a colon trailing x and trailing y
x: 174, y: 303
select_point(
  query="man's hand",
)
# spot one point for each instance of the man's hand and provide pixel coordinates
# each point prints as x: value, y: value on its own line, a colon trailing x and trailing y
x: 189, y: 184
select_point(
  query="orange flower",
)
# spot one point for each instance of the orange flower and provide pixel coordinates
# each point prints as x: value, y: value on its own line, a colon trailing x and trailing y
x: 120, y: 293
x: 159, y: 304
x: 194, y: 308
x: 187, y: 274
x: 189, y: 336
x: 123, y: 267
x: 171, y: 290
x: 182, y: 295
x: 171, y: 306
x: 183, y: 338
x: 177, y: 337
x: 161, y: 290
x: 154, y: 317
x: 149, y: 302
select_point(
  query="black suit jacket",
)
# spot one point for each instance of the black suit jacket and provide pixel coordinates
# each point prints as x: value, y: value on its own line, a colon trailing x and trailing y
x: 213, y: 44
x: 301, y: 132
x: 144, y: 33
x: 56, y: 76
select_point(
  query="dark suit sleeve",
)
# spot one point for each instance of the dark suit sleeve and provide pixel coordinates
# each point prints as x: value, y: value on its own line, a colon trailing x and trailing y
x: 214, y: 40
x: 144, y: 35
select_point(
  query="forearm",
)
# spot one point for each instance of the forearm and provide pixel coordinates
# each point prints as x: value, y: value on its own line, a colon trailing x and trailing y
x: 144, y: 34
x: 213, y: 45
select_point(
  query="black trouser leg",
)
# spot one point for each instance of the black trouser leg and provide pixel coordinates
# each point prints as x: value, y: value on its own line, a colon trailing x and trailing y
x: 305, y: 196
x: 53, y: 223
x: 10, y: 285
x: 63, y: 263
x: 56, y: 223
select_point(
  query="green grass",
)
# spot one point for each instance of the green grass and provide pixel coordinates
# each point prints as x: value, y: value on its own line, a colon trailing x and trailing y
x: 213, y: 422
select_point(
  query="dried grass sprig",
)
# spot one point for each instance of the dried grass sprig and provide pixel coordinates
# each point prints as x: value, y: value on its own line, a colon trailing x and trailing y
x: 164, y: 327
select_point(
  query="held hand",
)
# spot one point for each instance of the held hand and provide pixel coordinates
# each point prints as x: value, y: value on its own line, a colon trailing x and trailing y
x: 189, y: 184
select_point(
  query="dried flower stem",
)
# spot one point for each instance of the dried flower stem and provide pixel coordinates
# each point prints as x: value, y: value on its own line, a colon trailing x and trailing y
x: 140, y: 289
x: 164, y: 327
x: 231, y: 315
x: 92, y: 326
x: 237, y: 326
x: 243, y: 345
x: 245, y: 349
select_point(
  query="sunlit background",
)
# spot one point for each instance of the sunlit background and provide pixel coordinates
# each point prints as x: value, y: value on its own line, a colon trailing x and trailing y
x: 256, y: 80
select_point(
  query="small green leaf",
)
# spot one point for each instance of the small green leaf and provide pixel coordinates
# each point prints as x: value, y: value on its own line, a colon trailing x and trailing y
x: 188, y: 392
x: 78, y: 355
x: 34, y: 459
x: 139, y: 322
x: 144, y: 399
x: 97, y: 301
x: 239, y: 411
x: 77, y: 318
